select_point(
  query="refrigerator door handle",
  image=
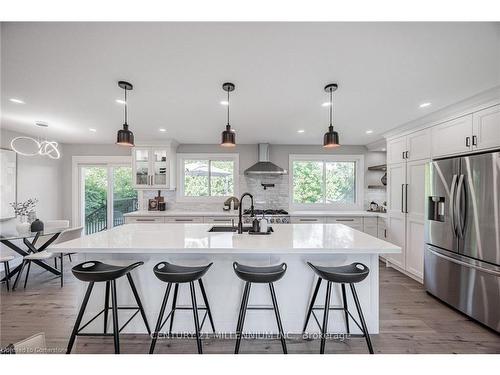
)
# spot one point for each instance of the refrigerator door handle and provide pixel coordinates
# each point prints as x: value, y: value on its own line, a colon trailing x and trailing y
x: 462, y: 263
x: 406, y: 198
x: 461, y: 216
x: 452, y: 203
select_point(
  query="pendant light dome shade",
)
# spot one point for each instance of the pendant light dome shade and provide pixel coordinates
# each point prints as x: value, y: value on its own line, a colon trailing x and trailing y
x: 228, y: 135
x: 125, y: 137
x: 331, y: 138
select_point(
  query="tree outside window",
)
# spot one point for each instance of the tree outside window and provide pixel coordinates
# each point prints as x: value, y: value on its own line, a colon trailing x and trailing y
x: 208, y: 178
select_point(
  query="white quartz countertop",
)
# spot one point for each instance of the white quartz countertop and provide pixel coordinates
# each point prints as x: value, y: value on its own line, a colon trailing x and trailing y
x: 195, y: 238
x: 235, y: 213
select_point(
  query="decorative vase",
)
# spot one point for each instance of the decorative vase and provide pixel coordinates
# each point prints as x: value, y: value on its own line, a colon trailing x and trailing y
x: 37, y: 226
x: 23, y: 226
x: 384, y: 179
x: 31, y: 217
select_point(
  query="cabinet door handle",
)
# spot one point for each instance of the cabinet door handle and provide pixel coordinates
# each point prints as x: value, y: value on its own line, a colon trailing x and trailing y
x: 467, y: 141
x: 144, y: 219
x: 184, y: 219
x: 474, y: 140
x: 402, y: 198
x: 403, y: 154
x: 222, y: 220
x: 344, y: 219
x: 308, y: 219
x: 407, y: 153
x: 385, y: 233
x: 406, y: 198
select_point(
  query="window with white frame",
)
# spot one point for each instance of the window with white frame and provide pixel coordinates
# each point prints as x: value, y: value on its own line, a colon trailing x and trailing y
x: 207, y: 177
x: 326, y: 181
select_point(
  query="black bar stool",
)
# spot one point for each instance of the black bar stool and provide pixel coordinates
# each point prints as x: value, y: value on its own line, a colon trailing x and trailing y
x: 92, y: 272
x: 348, y: 274
x: 175, y: 274
x: 251, y: 274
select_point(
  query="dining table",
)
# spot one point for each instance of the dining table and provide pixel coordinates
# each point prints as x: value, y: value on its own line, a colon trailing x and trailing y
x: 30, y: 239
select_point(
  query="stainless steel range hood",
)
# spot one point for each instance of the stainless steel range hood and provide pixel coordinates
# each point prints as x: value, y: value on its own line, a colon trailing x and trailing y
x: 264, y: 166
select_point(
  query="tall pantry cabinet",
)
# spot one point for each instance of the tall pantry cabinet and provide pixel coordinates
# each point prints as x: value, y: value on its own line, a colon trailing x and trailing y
x: 407, y: 157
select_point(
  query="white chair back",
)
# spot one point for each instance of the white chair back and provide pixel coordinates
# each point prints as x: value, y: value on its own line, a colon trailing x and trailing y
x: 32, y: 345
x: 69, y: 234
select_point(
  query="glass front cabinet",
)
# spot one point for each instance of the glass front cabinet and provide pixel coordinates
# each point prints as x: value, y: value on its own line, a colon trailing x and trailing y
x: 154, y: 167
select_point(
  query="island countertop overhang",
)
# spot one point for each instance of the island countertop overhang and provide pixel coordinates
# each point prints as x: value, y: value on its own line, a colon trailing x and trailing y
x: 195, y: 239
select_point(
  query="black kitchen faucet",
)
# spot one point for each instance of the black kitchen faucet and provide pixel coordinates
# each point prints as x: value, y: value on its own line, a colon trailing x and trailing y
x: 240, y: 221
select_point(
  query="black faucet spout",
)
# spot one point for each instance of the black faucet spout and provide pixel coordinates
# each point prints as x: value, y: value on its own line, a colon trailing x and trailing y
x: 240, y: 221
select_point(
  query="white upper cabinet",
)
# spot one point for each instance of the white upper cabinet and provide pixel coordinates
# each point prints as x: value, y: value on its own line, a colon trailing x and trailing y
x: 452, y: 137
x: 418, y: 145
x: 396, y: 149
x: 414, y: 146
x: 154, y: 167
x: 486, y: 128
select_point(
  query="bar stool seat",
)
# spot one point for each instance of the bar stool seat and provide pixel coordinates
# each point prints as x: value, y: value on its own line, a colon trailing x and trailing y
x: 173, y: 273
x: 94, y: 271
x: 97, y: 271
x: 266, y: 274
x: 350, y: 273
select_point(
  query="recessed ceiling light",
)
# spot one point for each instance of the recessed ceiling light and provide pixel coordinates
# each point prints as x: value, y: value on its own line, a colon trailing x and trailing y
x: 17, y: 101
x: 326, y: 104
x: 383, y: 149
x: 300, y: 131
x: 162, y: 130
x: 224, y: 102
x: 369, y: 132
x: 119, y: 101
x: 426, y: 104
x: 92, y: 130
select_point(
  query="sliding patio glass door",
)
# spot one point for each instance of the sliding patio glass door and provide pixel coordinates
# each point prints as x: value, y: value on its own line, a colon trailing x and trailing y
x: 106, y: 193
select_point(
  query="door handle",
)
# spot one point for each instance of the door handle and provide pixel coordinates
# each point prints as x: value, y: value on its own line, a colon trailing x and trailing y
x: 474, y: 140
x: 407, y: 154
x: 385, y: 233
x: 406, y: 198
x: 403, y: 154
x: 344, y: 219
x: 462, y: 263
x: 467, y: 141
x: 458, y: 199
x: 402, y: 198
x: 452, y: 203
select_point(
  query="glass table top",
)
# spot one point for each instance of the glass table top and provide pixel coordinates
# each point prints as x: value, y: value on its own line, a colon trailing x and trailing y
x: 19, y: 236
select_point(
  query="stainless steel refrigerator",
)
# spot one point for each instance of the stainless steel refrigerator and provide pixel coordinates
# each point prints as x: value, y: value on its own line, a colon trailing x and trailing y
x: 462, y: 229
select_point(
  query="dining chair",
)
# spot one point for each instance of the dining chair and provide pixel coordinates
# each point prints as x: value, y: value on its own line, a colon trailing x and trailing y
x: 5, y: 259
x: 66, y: 235
x: 48, y: 226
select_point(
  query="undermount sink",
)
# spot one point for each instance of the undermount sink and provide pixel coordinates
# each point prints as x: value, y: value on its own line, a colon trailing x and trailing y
x: 223, y: 229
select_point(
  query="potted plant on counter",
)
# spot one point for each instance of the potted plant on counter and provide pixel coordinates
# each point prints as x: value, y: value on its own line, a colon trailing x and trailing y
x: 23, y: 209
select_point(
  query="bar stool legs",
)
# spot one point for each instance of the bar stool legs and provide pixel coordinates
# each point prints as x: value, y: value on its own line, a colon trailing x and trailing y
x: 324, y: 327
x: 205, y: 300
x: 138, y: 301
x: 114, y: 311
x: 195, y: 315
x: 278, y: 318
x: 241, y: 317
x: 362, y: 318
x: 174, y: 304
x: 79, y: 317
x: 160, y: 318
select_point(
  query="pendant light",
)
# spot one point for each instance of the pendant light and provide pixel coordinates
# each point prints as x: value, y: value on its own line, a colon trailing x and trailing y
x: 124, y: 136
x: 228, y: 135
x: 331, y: 138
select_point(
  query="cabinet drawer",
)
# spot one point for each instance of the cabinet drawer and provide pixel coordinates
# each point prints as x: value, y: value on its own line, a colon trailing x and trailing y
x: 221, y: 219
x: 346, y: 220
x: 307, y: 219
x: 144, y: 219
x: 184, y: 219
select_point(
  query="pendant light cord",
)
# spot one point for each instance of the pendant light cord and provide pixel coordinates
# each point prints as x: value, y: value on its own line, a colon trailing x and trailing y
x: 228, y: 107
x: 125, y: 106
x: 331, y: 106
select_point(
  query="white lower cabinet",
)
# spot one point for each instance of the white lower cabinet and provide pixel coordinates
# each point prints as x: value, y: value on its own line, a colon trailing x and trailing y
x: 221, y: 220
x: 353, y: 222
x: 370, y: 226
x: 382, y: 228
x: 397, y: 236
x: 144, y: 219
x: 306, y: 219
x: 184, y: 219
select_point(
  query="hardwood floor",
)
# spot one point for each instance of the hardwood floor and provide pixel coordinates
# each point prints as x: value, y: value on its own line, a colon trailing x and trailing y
x: 411, y: 322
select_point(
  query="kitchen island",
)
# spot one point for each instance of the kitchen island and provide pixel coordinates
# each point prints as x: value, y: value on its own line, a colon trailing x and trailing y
x: 193, y: 244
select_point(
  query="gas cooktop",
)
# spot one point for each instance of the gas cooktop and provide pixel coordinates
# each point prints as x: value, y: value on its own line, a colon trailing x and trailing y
x: 266, y: 212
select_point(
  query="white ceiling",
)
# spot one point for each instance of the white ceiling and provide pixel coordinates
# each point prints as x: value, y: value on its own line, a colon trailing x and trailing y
x: 67, y: 74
